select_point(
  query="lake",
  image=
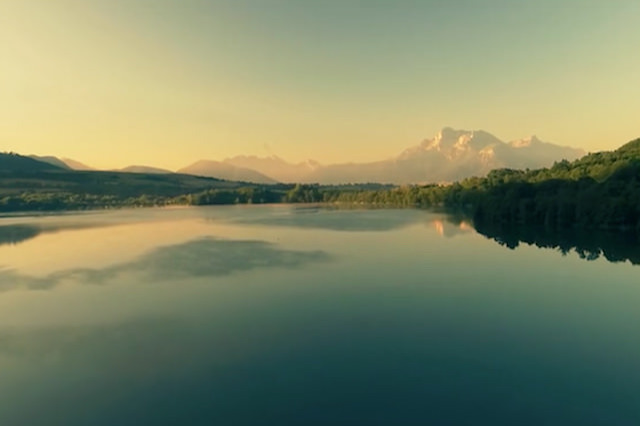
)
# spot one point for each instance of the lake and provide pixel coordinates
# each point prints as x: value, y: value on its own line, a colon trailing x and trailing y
x: 299, y: 315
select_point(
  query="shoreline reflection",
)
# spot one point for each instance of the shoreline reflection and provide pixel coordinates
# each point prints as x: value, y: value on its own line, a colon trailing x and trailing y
x: 588, y: 245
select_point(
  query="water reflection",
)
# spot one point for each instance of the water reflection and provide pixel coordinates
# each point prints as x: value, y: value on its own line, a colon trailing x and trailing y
x: 136, y: 364
x: 100, y: 343
x: 18, y: 233
x: 589, y: 245
x: 449, y: 227
x: 399, y: 333
x: 203, y: 257
x: 334, y: 219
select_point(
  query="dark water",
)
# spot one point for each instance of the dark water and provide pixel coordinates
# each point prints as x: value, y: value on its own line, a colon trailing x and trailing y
x: 303, y: 316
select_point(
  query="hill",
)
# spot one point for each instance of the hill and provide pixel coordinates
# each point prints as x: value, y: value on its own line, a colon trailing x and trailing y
x: 275, y: 167
x: 221, y: 170
x: 598, y: 191
x: 11, y: 162
x: 63, y: 163
x: 449, y: 156
x: 76, y: 165
x: 51, y: 160
x: 120, y: 184
x: 28, y: 184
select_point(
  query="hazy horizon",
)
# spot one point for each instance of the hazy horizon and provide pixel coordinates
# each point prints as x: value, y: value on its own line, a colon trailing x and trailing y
x: 163, y: 83
x: 310, y: 159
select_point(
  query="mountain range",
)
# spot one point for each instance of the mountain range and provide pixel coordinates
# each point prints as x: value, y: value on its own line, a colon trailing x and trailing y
x: 226, y: 171
x: 449, y: 156
x: 11, y: 163
x: 63, y: 163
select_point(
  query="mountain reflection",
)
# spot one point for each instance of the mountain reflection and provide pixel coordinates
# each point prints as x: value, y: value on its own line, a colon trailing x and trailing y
x: 589, y: 245
x: 449, y: 227
x: 204, y: 257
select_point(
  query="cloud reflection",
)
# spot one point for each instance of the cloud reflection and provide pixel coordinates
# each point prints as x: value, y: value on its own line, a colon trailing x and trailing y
x: 204, y: 257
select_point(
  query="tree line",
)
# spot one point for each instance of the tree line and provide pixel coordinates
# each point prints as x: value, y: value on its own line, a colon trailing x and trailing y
x: 598, y: 191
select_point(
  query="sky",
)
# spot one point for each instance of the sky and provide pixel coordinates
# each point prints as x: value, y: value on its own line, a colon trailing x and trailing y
x: 168, y: 82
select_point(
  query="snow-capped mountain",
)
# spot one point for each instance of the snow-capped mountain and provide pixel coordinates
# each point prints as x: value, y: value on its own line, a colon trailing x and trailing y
x: 449, y: 156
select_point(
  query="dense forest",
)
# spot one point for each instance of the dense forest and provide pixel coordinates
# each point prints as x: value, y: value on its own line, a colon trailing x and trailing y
x: 599, y: 191
x: 30, y: 185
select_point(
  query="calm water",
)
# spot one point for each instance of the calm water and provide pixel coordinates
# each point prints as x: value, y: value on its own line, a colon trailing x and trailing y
x: 301, y: 316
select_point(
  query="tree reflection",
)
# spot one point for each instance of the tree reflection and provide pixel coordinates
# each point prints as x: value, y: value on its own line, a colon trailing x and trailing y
x: 16, y: 234
x: 589, y: 245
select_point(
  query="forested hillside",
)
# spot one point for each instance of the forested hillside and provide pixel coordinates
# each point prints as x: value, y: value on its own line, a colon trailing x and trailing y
x: 28, y: 184
x: 12, y: 163
x: 598, y: 191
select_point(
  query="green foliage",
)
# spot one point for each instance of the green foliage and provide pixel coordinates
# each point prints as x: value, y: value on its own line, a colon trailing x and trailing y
x: 584, y: 194
x: 12, y: 162
x: 600, y: 190
x: 303, y: 194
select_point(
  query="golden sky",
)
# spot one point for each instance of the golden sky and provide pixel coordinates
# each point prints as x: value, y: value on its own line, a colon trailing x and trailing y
x: 165, y: 83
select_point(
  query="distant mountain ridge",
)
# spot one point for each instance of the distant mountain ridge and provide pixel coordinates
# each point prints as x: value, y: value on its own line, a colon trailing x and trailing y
x: 15, y: 163
x: 76, y: 165
x: 449, y: 156
x: 275, y: 167
x: 221, y: 170
x: 51, y: 160
x: 63, y: 163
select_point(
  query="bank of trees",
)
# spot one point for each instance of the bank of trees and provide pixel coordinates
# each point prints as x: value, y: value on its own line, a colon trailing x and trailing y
x: 600, y: 190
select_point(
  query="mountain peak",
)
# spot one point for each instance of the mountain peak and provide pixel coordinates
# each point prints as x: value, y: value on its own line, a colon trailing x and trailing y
x: 448, y: 134
x: 225, y: 170
x: 450, y: 139
x: 522, y: 143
